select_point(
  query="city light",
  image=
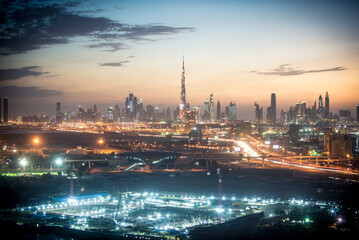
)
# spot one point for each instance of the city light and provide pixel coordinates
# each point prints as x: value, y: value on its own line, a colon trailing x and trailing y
x: 23, y: 163
x: 36, y: 140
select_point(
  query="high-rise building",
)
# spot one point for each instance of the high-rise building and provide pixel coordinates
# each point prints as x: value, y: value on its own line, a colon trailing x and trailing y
x: 81, y: 114
x: 358, y: 113
x: 320, y: 106
x: 117, y: 114
x: 218, y: 110
x: 273, y: 105
x: 110, y: 114
x: 345, y: 114
x: 6, y: 109
x: 326, y: 109
x: 58, y: 113
x: 197, y: 113
x: 258, y: 112
x: 232, y: 111
x: 183, y: 103
x: 211, y: 108
x: 206, y: 111
x: 168, y: 115
x: 131, y: 108
x: 269, y: 114
x: 301, y: 116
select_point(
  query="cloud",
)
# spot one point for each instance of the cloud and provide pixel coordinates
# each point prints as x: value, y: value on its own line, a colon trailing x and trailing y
x: 111, y: 46
x: 17, y: 73
x: 113, y: 64
x: 285, y: 70
x: 32, y: 25
x: 27, y: 92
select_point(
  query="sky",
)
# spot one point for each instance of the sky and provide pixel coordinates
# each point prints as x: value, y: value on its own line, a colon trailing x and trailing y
x: 96, y: 52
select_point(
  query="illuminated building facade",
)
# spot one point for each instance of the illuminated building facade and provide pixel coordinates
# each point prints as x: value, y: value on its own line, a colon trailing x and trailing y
x: 131, y: 108
x: 183, y: 103
x: 211, y: 108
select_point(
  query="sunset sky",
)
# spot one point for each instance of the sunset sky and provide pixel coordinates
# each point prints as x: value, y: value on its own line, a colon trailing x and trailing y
x: 95, y: 52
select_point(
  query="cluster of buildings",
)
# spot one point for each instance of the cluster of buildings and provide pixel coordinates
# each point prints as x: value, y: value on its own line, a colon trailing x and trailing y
x: 135, y: 111
x: 303, y: 114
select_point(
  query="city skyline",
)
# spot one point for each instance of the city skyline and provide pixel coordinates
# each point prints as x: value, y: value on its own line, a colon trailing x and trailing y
x: 113, y: 48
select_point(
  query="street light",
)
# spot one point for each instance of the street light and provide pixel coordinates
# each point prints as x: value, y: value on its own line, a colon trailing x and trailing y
x: 59, y: 163
x: 36, y: 140
x: 23, y: 163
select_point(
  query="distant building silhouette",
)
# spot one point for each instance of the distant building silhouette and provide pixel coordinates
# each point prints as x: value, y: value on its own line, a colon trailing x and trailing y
x: 6, y: 109
x: 273, y: 113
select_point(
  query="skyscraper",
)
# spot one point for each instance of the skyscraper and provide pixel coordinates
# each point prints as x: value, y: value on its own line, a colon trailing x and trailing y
x: 326, y: 111
x: 131, y: 107
x: 358, y: 113
x: 273, y: 113
x: 6, y: 110
x: 183, y: 103
x: 218, y: 110
x: 320, y: 105
x: 232, y: 111
x: 58, y: 113
x: 206, y: 111
x: 211, y: 108
x: 258, y: 112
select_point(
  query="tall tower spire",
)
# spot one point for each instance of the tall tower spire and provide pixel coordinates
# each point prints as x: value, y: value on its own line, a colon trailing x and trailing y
x: 183, y: 93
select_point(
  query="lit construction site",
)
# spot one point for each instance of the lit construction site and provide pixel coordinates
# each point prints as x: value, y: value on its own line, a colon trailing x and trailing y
x: 150, y: 215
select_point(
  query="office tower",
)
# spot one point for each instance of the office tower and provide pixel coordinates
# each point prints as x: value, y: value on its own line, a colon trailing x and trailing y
x: 150, y: 113
x: 258, y: 112
x: 320, y: 106
x: 218, y: 110
x: 117, y: 114
x: 301, y: 116
x: 326, y: 110
x: 197, y: 114
x: 81, y: 114
x: 6, y: 109
x: 269, y: 114
x: 183, y: 103
x: 168, y: 115
x: 176, y: 114
x: 140, y: 110
x: 226, y: 112
x: 344, y: 114
x: 110, y: 114
x: 58, y: 113
x: 358, y: 113
x: 131, y: 108
x: 211, y: 108
x: 232, y: 111
x: 273, y: 109
x: 206, y: 111
x: 0, y: 111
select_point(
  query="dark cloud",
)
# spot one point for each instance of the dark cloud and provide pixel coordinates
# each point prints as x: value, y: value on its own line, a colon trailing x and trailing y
x: 27, y: 92
x: 110, y: 46
x: 17, y: 73
x: 113, y: 64
x: 28, y: 26
x: 285, y: 70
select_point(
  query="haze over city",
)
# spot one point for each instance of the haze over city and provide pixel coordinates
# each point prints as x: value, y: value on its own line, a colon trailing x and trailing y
x: 241, y: 51
x: 181, y: 120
